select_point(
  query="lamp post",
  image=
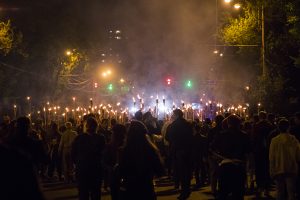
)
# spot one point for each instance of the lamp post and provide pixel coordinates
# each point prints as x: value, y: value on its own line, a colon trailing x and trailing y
x: 264, y: 71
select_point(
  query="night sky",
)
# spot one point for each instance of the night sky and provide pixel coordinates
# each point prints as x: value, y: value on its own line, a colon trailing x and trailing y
x: 170, y: 38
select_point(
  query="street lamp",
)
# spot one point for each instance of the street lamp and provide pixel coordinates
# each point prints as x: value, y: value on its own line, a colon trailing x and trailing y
x: 68, y: 52
x: 264, y: 70
x: 237, y: 6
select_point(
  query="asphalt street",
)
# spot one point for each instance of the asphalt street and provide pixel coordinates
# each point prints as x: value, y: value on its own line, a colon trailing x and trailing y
x: 164, y: 190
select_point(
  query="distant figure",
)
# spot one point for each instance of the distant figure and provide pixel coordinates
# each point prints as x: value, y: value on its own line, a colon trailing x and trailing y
x: 18, y: 177
x: 232, y: 146
x: 284, y: 159
x: 64, y: 149
x: 55, y: 159
x: 139, y: 163
x: 180, y: 136
x: 86, y: 153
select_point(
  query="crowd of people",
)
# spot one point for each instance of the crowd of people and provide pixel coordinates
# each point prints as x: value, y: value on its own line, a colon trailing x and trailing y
x: 229, y: 154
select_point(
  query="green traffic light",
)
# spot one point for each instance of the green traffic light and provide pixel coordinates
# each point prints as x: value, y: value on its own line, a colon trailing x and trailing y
x: 189, y: 84
x: 110, y: 87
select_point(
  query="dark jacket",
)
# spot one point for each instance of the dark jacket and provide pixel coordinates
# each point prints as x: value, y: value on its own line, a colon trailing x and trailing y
x: 232, y: 144
x: 180, y: 135
x: 87, y: 154
x: 137, y: 169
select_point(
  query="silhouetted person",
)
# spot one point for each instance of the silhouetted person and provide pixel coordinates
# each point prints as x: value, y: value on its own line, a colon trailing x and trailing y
x: 106, y: 132
x: 139, y: 163
x: 111, y: 157
x: 200, y: 147
x: 32, y: 148
x: 150, y: 123
x: 295, y: 130
x: 213, y: 164
x: 261, y: 132
x: 5, y: 130
x: 284, y: 160
x: 55, y: 158
x: 232, y: 145
x: 180, y: 136
x: 18, y: 177
x: 138, y: 115
x: 64, y: 149
x: 86, y: 153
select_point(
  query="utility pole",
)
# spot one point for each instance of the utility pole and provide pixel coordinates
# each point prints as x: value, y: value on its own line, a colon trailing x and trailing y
x: 264, y: 70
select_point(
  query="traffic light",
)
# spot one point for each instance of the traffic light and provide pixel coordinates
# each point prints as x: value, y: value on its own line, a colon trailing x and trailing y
x: 188, y: 84
x: 168, y: 81
x: 110, y: 87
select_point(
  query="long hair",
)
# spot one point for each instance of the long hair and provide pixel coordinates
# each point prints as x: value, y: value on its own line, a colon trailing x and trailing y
x: 138, y: 145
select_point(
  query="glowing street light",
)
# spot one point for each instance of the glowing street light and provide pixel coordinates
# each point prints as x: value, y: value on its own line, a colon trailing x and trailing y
x: 237, y: 6
x: 106, y: 73
x: 68, y: 52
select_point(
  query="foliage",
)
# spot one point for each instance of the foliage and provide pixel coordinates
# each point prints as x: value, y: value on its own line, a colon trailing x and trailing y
x: 242, y: 30
x: 282, y: 37
x: 9, y: 38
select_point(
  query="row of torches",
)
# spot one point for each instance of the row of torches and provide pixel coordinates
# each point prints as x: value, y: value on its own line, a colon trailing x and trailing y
x: 207, y: 110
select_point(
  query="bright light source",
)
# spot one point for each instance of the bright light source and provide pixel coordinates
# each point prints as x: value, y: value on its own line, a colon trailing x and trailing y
x: 122, y: 80
x: 108, y: 72
x: 68, y: 52
x: 28, y: 98
x: 189, y: 84
x: 227, y: 1
x: 96, y: 85
x: 237, y: 6
x: 168, y: 81
x: 110, y: 87
x: 118, y: 31
x: 247, y: 88
x: 104, y: 74
x: 216, y: 51
x: 221, y: 54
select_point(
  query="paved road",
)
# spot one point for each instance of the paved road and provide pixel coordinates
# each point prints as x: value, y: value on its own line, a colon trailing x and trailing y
x: 164, y: 190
